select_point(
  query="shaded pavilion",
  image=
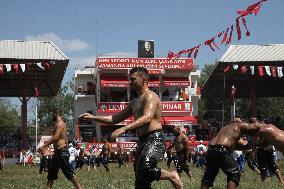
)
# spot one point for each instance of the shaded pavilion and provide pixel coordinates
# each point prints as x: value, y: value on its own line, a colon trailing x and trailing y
x: 30, y: 69
x: 254, y: 70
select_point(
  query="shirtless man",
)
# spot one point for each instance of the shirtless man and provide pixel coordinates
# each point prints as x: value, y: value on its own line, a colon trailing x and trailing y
x: 271, y: 134
x: 105, y: 154
x: 120, y: 158
x: 219, y: 154
x: 146, y: 110
x: 180, y: 143
x: 60, y: 158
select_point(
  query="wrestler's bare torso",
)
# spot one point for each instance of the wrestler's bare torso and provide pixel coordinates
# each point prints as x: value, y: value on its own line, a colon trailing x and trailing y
x: 62, y: 140
x: 230, y: 134
x: 137, y: 108
x: 273, y: 135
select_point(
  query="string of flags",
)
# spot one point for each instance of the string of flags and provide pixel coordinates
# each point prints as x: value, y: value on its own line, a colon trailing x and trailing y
x: 21, y: 68
x: 224, y: 36
x: 17, y: 68
x: 273, y: 71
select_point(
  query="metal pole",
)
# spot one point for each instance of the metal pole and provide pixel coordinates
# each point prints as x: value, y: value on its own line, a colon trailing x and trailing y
x: 36, y: 125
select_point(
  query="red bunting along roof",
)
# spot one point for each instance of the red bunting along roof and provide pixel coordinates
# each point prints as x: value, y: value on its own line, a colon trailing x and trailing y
x: 247, y: 67
x: 114, y: 81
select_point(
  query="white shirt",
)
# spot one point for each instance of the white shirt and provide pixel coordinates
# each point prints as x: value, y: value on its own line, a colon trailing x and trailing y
x: 73, y: 153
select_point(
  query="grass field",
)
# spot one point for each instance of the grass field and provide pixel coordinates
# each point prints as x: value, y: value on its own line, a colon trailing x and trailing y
x: 27, y: 177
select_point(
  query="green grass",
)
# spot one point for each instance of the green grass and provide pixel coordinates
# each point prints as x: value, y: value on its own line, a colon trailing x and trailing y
x: 27, y: 177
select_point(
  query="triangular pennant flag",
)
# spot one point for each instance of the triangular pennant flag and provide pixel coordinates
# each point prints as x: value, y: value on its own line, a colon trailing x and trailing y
x: 229, y: 40
x: 243, y: 69
x: 8, y: 67
x: 39, y: 65
x: 196, y: 51
x: 23, y: 67
x: 238, y: 28
x: 235, y: 66
x: 245, y: 25
x: 227, y: 68
x: 37, y: 92
x: 267, y: 69
x: 273, y: 71
x: 1, y: 69
x: 279, y: 72
x: 225, y: 36
x: 252, y: 70
x: 27, y: 66
x: 46, y: 65
x: 208, y: 42
x: 171, y: 55
x: 15, y: 68
x: 260, y: 71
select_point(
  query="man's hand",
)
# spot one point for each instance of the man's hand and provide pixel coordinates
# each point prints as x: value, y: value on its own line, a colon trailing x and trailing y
x: 86, y: 116
x: 117, y: 133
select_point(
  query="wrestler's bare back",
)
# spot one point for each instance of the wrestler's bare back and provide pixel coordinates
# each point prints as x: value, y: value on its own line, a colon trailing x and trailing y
x: 137, y: 107
x: 228, y: 136
x: 273, y: 135
x: 62, y: 140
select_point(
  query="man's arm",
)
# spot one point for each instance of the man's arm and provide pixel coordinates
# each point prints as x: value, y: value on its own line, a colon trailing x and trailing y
x: 111, y: 119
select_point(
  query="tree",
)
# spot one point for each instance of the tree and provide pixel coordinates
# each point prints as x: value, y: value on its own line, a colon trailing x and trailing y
x: 64, y: 101
x: 9, y: 118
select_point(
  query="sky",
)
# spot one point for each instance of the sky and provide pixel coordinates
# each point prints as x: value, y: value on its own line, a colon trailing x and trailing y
x: 85, y: 29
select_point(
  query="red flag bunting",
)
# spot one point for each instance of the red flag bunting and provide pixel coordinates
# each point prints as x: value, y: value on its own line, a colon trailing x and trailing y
x: 227, y: 68
x: 46, y: 65
x: 238, y: 28
x: 260, y: 71
x: 252, y: 9
x: 208, y: 42
x: 243, y: 69
x: 190, y: 51
x: 15, y: 68
x: 1, y: 69
x: 230, y: 36
x: 245, y: 25
x: 273, y: 71
x: 36, y: 92
x: 225, y: 36
x: 196, y: 51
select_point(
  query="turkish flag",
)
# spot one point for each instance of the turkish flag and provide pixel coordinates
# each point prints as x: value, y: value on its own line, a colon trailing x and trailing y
x: 260, y: 71
x: 1, y: 69
x: 243, y: 69
x: 273, y: 71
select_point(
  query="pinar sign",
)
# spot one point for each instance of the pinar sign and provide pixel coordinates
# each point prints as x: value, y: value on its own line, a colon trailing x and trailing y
x: 149, y: 63
x: 112, y: 107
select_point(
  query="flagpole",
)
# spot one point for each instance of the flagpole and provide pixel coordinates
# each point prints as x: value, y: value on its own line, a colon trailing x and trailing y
x: 36, y: 124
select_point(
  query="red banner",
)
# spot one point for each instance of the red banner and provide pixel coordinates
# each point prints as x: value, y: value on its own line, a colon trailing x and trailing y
x: 149, y: 63
x: 175, y: 106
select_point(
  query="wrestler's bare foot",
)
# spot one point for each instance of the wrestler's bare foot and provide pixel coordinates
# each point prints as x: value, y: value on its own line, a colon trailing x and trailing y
x: 175, y: 180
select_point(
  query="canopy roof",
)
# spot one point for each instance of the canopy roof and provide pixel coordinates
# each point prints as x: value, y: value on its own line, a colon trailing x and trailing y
x: 41, y: 65
x: 254, y: 59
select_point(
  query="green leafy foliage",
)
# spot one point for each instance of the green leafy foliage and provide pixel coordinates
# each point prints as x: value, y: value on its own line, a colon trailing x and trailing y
x: 64, y: 102
x: 9, y: 117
